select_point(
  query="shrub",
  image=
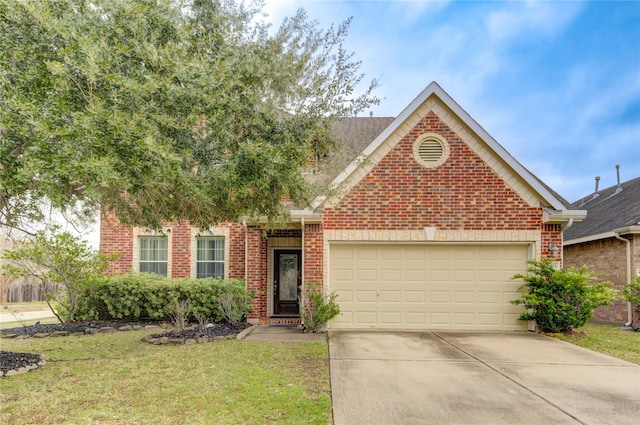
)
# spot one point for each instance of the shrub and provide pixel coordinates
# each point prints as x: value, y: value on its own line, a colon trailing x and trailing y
x: 63, y: 264
x: 234, y: 305
x: 561, y: 300
x: 150, y: 296
x: 318, y: 307
x: 632, y: 291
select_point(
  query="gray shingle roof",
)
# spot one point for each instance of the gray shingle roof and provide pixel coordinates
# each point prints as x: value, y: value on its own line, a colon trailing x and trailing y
x: 611, y: 209
x: 353, y: 134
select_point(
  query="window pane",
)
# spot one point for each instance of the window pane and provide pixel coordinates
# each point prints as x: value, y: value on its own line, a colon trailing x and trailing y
x: 210, y: 258
x: 153, y: 267
x: 153, y: 255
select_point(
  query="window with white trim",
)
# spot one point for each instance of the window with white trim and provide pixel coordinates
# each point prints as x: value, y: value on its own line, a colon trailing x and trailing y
x: 153, y: 254
x: 210, y: 257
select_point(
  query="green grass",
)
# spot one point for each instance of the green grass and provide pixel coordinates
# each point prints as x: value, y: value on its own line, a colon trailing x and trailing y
x: 117, y: 379
x: 607, y: 339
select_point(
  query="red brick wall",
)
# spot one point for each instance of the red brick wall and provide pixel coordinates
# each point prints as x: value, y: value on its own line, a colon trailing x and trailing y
x: 257, y: 272
x: 551, y: 234
x: 180, y: 250
x: 462, y: 194
x: 313, y: 253
x: 116, y: 238
x: 236, y: 250
x: 607, y: 259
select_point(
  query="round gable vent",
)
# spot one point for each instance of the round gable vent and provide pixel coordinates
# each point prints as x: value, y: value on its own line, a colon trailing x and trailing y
x: 430, y: 150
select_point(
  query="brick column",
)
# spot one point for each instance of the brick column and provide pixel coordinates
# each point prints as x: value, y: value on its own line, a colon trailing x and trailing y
x: 313, y: 253
x: 180, y: 250
x: 257, y: 272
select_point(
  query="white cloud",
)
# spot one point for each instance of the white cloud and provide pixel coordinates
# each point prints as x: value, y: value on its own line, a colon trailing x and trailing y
x: 531, y: 18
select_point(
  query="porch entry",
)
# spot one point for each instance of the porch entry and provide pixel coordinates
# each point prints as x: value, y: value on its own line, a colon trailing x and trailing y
x: 287, y: 281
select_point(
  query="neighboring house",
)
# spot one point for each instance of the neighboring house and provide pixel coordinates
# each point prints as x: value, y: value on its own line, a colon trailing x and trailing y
x: 608, y: 241
x: 426, y: 232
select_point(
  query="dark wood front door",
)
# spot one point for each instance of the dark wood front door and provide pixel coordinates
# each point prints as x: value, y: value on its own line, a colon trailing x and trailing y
x: 286, y: 282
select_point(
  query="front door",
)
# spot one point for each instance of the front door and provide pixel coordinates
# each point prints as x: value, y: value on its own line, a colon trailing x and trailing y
x: 287, y: 280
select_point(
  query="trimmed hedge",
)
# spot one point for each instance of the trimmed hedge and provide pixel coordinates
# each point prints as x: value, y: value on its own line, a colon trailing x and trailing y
x: 143, y: 296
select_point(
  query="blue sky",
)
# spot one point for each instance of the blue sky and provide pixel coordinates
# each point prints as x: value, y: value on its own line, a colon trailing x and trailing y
x: 557, y: 83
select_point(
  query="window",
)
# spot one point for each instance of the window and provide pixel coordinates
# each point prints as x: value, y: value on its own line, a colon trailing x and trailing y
x: 210, y: 258
x: 153, y: 255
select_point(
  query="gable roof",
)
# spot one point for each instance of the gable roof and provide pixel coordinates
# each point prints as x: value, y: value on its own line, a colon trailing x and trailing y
x: 614, y: 208
x: 560, y: 210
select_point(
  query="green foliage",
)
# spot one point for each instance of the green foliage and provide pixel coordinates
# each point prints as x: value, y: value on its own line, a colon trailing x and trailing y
x: 318, y: 307
x: 150, y: 296
x: 62, y: 264
x: 163, y: 110
x: 560, y: 300
x: 632, y: 291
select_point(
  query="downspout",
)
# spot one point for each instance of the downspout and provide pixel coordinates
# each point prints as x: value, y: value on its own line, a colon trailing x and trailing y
x: 566, y: 225
x: 628, y: 250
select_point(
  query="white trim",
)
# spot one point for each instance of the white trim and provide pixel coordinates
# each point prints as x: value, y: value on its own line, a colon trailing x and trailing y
x: 589, y: 238
x: 562, y: 216
x: 139, y: 232
x: 604, y: 235
x: 214, y: 231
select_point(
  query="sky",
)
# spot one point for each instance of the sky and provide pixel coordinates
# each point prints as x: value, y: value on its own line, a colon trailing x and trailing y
x: 557, y: 83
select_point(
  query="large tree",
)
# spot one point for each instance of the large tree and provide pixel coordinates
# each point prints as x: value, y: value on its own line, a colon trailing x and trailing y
x: 164, y: 109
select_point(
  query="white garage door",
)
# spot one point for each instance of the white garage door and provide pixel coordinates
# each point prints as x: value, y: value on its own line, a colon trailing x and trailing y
x: 391, y: 286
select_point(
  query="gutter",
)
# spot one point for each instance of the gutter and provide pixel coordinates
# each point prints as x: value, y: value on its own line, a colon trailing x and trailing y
x: 563, y: 216
x: 616, y: 234
x: 295, y: 216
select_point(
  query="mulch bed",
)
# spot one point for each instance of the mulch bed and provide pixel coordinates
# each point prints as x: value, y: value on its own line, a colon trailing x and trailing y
x: 12, y: 363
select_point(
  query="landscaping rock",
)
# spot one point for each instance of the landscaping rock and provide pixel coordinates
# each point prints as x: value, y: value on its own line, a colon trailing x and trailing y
x: 15, y: 363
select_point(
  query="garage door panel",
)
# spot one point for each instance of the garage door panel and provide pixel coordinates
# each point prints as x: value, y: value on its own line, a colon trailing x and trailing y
x: 488, y: 297
x: 464, y: 297
x: 440, y: 319
x: 439, y: 297
x: 413, y: 275
x: 413, y: 318
x: 391, y: 297
x: 427, y: 286
x: 414, y: 297
x: 438, y: 275
x: 391, y: 318
x: 345, y: 296
x: 366, y: 297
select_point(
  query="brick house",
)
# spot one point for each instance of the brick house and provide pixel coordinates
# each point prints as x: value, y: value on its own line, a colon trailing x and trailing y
x: 608, y: 241
x: 429, y: 220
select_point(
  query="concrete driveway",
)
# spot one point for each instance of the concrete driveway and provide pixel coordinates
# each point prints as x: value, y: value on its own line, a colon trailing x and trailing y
x: 476, y: 378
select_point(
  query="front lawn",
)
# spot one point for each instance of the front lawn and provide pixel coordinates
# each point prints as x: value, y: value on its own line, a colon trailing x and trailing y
x: 608, y: 339
x: 117, y: 379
